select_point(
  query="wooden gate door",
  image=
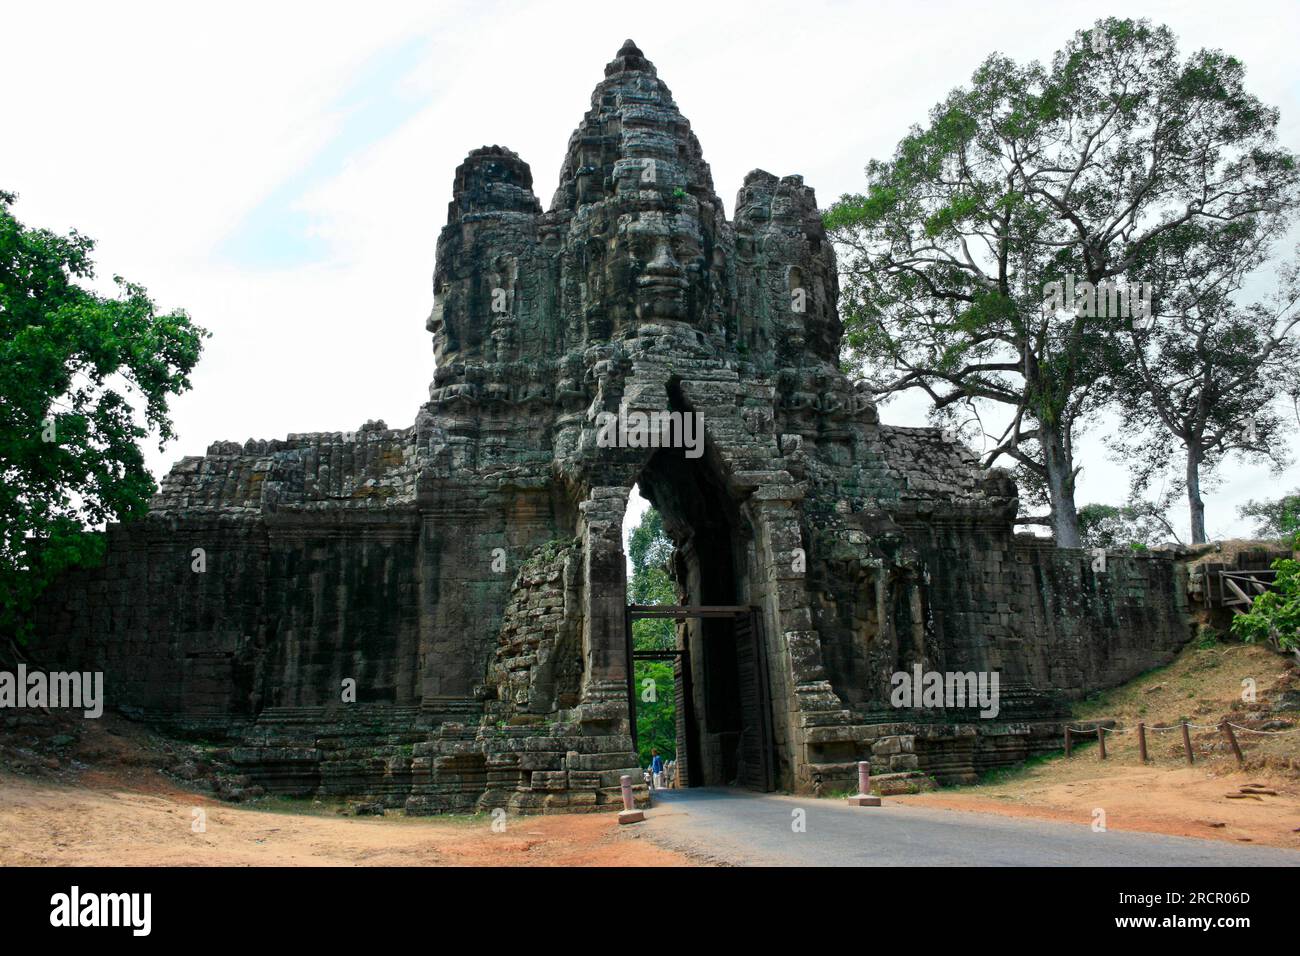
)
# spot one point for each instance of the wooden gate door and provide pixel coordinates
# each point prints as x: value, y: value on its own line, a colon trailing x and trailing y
x: 756, y: 770
x: 685, y: 718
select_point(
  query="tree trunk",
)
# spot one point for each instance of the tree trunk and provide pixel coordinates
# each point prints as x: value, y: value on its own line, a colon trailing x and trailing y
x: 1060, y: 488
x: 1194, y: 503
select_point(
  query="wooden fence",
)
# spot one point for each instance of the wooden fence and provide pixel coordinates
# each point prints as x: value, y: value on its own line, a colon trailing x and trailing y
x: 1226, y: 727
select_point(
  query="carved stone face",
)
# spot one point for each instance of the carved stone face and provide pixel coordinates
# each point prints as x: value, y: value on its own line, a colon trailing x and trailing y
x: 665, y: 261
x: 654, y: 267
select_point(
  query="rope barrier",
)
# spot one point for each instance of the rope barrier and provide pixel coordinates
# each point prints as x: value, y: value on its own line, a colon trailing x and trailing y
x: 1093, y: 730
x: 1265, y: 733
x: 1154, y: 729
x: 1113, y: 730
x: 1186, y: 726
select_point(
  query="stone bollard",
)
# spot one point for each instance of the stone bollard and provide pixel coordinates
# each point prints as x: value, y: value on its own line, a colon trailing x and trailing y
x: 629, y: 813
x: 863, y: 797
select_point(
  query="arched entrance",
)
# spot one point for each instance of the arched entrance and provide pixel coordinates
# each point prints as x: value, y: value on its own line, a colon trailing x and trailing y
x: 720, y: 668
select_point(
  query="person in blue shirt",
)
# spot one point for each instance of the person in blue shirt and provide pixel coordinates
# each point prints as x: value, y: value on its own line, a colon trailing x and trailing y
x: 656, y: 768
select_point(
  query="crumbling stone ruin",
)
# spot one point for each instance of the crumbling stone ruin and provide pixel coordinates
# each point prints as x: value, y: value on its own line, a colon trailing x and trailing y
x: 465, y: 576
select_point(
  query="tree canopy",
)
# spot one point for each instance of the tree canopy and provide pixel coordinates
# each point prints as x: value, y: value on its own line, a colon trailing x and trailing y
x: 1082, y: 176
x: 649, y: 550
x: 1277, y: 518
x: 1137, y: 525
x: 1275, y: 615
x: 1203, y: 379
x: 84, y: 377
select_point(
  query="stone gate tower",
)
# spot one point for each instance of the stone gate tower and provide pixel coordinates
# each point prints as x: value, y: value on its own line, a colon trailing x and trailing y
x: 467, y: 572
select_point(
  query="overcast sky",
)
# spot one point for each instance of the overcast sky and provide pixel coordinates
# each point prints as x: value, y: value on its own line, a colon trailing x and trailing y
x: 282, y: 170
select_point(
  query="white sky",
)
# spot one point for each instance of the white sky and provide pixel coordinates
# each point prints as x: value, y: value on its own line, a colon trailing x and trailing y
x: 282, y: 170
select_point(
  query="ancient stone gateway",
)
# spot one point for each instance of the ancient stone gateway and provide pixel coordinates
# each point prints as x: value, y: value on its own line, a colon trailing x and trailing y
x: 465, y: 576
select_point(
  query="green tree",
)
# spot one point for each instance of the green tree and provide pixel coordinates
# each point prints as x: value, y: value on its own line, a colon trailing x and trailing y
x: 1274, y: 519
x: 1137, y: 525
x: 1029, y: 178
x: 83, y: 377
x: 1275, y: 615
x: 650, y: 550
x: 1202, y: 381
x: 656, y: 713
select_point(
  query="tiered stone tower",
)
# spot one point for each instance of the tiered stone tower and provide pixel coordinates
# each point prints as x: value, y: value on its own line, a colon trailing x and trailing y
x: 467, y: 573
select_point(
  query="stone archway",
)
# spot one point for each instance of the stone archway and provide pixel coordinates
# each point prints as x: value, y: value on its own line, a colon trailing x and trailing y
x: 723, y: 683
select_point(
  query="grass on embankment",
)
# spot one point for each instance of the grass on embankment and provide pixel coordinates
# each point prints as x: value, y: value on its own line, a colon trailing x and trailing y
x: 1208, y: 682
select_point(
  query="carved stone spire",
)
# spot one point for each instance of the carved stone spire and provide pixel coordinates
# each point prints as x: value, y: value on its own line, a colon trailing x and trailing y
x: 633, y: 141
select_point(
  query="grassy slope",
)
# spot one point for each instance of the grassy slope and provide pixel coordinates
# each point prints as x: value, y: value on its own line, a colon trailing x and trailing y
x: 1203, y: 685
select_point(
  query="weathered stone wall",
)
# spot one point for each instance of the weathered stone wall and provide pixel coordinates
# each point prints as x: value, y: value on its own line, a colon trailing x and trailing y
x: 169, y: 641
x: 1052, y: 625
x: 279, y: 616
x: 538, y: 660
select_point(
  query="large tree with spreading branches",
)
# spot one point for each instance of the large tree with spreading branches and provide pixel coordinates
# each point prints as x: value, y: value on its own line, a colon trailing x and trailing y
x: 1033, y: 179
x: 1205, y: 379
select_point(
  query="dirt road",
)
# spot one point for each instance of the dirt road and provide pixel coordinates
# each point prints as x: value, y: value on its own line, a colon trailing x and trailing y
x: 1178, y: 802
x: 112, y: 822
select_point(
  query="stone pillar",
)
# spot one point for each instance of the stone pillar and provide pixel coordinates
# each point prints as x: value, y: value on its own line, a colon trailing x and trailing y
x: 863, y: 797
x: 814, y: 715
x: 629, y: 813
x: 605, y: 675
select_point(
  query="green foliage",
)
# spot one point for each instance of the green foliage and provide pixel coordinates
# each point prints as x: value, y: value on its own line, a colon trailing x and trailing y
x: 655, y: 634
x: 1115, y: 161
x: 1202, y: 381
x: 656, y: 719
x: 83, y: 377
x: 1134, y: 526
x: 1275, y: 615
x: 650, y: 550
x: 649, y: 545
x: 1274, y: 519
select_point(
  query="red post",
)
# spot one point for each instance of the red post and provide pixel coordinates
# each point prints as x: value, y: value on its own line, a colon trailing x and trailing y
x: 863, y: 797
x: 629, y: 813
x: 1232, y: 739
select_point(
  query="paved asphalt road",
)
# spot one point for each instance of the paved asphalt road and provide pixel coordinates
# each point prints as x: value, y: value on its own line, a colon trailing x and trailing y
x: 738, y: 827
